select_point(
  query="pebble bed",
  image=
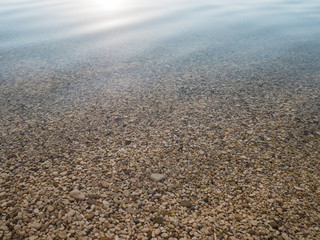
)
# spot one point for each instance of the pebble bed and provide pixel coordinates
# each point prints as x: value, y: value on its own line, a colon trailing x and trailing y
x: 192, y: 155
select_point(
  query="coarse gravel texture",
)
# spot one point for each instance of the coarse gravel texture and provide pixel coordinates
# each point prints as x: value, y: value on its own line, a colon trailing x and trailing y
x: 238, y: 154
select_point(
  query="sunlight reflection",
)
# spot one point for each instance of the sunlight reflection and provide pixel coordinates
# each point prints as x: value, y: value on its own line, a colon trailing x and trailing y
x: 111, y: 5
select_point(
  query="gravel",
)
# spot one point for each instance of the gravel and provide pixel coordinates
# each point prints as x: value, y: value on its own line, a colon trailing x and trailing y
x: 180, y: 156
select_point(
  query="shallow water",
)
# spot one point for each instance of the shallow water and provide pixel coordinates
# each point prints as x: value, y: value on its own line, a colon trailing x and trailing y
x: 223, y: 97
x: 166, y: 35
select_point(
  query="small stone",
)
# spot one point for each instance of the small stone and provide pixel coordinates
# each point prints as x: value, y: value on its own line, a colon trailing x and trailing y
x: 175, y: 221
x: 165, y: 235
x: 250, y: 132
x: 105, y: 203
x: 157, y: 177
x: 130, y: 210
x: 126, y: 193
x: 50, y: 208
x: 63, y: 173
x: 88, y: 227
x: 158, y: 195
x: 238, y: 217
x: 273, y: 224
x: 157, y: 232
x: 19, y: 215
x: 104, y: 184
x: 158, y: 220
x: 35, y: 225
x: 103, y: 237
x: 279, y: 210
x: 44, y: 227
x: 91, y: 202
x: 76, y: 194
x: 285, y: 236
x: 90, y: 216
x: 62, y: 235
x: 254, y: 222
x: 79, y: 217
x: 42, y: 192
x: 17, y: 227
x: 71, y: 213
x: 186, y: 203
x: 298, y: 188
x: 81, y: 223
x: 2, y: 196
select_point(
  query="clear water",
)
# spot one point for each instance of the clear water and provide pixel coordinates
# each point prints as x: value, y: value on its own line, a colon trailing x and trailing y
x: 167, y: 35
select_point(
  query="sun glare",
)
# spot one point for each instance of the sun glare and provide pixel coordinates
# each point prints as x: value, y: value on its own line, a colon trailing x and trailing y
x: 111, y: 5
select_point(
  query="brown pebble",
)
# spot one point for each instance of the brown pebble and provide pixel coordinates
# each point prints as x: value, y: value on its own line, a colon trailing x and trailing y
x: 158, y: 219
x: 186, y: 203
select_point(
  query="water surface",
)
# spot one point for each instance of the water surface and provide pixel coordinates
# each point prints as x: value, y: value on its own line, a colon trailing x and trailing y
x: 64, y: 34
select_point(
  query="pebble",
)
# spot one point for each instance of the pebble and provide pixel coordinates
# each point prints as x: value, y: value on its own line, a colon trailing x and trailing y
x: 250, y: 132
x: 126, y: 193
x: 64, y: 173
x: 158, y: 219
x: 186, y: 203
x: 17, y: 227
x: 35, y: 225
x: 63, y: 235
x: 165, y: 235
x: 238, y: 217
x: 254, y: 222
x: 175, y: 221
x: 273, y: 224
x: 50, y: 208
x: 157, y: 231
x: 42, y: 192
x: 157, y: 177
x: 76, y: 194
x: 71, y: 213
x: 90, y: 216
x: 285, y: 236
x: 104, y: 184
